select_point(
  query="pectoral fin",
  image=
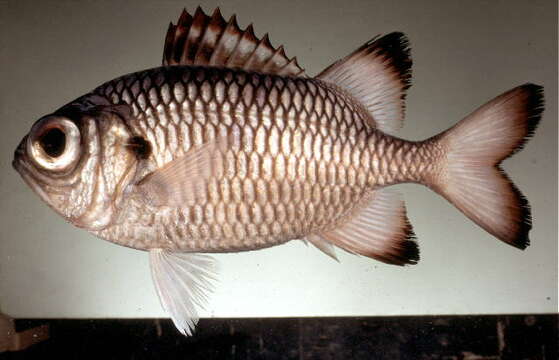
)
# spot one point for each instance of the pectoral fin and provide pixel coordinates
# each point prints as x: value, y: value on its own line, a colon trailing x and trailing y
x: 182, y: 282
x: 183, y: 180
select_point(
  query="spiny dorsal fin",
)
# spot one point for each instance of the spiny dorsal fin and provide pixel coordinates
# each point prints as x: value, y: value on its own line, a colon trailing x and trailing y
x: 211, y: 41
x: 378, y: 75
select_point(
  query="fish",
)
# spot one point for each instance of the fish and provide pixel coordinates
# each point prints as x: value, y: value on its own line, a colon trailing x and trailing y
x: 230, y: 146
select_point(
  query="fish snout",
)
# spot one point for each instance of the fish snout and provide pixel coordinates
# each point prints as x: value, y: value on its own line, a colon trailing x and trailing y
x: 19, y: 153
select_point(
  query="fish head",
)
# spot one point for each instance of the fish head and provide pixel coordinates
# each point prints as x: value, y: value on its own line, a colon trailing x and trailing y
x: 79, y: 163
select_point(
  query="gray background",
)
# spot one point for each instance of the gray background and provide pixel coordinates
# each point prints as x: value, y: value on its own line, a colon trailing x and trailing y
x: 464, y: 52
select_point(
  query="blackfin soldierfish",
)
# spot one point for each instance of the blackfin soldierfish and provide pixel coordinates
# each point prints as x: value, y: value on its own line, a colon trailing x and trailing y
x: 230, y: 146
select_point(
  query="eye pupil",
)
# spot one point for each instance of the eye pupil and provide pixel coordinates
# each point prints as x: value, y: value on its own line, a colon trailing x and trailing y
x: 53, y: 142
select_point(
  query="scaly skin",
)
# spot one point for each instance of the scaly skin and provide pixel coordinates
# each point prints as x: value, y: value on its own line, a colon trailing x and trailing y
x: 308, y: 154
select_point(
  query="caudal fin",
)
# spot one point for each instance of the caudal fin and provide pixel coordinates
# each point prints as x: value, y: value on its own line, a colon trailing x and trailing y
x: 470, y: 176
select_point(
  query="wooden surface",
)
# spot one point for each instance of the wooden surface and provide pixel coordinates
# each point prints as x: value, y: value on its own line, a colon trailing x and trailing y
x: 449, y: 337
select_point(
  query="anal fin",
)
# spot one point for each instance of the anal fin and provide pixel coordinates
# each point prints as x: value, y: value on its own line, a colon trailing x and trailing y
x: 182, y: 281
x: 321, y: 244
x: 378, y: 229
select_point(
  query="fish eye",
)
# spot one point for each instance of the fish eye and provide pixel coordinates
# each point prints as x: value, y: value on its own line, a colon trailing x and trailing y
x: 54, y: 143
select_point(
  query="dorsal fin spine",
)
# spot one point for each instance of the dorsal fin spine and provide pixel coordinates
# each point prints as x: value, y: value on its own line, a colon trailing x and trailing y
x: 167, y: 52
x: 195, y: 33
x: 262, y: 45
x: 291, y: 63
x: 185, y: 17
x: 211, y: 41
x: 247, y: 40
x: 209, y: 38
x: 231, y: 29
x: 276, y: 59
x: 185, y: 21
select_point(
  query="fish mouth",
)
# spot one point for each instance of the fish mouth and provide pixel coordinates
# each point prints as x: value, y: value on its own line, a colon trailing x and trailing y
x: 18, y: 154
x: 24, y: 169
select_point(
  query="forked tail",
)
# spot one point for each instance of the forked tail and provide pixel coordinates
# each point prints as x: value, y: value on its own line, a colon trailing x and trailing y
x: 466, y: 173
x: 469, y: 176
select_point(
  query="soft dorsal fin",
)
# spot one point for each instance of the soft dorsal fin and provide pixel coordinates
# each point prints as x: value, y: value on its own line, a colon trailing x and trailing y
x: 211, y: 41
x: 378, y: 75
x: 379, y: 229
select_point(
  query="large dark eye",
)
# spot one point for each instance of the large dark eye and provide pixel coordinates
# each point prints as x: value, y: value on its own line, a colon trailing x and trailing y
x: 53, y: 142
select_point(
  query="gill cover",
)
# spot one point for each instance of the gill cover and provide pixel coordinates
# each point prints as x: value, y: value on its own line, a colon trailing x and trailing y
x: 77, y: 160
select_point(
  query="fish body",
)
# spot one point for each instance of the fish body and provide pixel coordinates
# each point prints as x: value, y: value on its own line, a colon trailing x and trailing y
x: 230, y: 147
x: 304, y: 154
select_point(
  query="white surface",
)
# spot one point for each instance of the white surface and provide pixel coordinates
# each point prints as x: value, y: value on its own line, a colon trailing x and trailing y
x: 464, y: 54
